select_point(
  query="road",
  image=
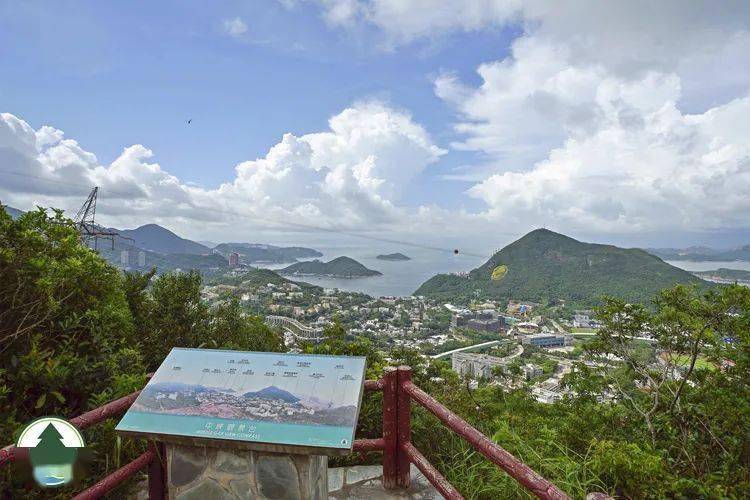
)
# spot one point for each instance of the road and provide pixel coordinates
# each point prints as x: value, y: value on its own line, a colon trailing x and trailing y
x: 467, y: 348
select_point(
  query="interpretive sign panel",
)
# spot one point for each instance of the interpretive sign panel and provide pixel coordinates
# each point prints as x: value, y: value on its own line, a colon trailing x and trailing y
x: 281, y: 399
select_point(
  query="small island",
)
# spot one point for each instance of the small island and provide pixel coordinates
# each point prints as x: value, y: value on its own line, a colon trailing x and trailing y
x: 340, y: 267
x: 393, y: 256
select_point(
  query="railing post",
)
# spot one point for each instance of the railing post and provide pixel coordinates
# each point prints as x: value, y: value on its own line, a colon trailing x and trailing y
x: 157, y: 472
x: 404, y: 427
x: 390, y: 428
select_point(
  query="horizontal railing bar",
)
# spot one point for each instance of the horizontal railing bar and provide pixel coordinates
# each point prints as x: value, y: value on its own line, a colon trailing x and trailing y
x: 369, y: 444
x: 374, y: 385
x: 510, y: 464
x: 431, y: 473
x: 117, y: 477
x: 104, y: 412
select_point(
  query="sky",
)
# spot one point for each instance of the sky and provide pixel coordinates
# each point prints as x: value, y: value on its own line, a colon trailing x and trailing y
x: 429, y: 121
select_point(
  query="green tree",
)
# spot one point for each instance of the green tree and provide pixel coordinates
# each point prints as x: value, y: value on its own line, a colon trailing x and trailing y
x: 230, y: 328
x: 177, y: 316
x: 50, y: 449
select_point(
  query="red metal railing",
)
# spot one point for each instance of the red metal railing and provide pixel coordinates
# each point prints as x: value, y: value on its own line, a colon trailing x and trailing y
x: 398, y: 451
x: 398, y: 393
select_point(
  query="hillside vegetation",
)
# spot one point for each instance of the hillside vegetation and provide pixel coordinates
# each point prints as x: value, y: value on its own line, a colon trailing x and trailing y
x: 548, y: 266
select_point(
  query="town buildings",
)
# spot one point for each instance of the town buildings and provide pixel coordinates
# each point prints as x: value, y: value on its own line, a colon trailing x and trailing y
x: 548, y: 340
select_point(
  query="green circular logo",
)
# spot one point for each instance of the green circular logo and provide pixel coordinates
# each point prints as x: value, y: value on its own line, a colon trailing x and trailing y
x: 53, y: 449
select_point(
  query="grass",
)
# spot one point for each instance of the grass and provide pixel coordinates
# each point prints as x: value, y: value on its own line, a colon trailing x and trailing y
x: 583, y: 330
x: 499, y: 272
x: 701, y: 362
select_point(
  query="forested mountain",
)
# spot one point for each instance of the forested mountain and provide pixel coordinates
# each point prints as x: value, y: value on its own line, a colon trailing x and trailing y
x: 342, y: 267
x: 548, y: 266
x: 158, y: 239
x: 13, y: 212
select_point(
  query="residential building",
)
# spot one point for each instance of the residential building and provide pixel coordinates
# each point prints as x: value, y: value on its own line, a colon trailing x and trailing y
x: 531, y: 370
x: 475, y: 365
x: 547, y: 340
x: 234, y: 259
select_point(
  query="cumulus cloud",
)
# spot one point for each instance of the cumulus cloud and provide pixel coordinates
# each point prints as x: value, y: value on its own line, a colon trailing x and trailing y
x: 235, y: 27
x: 607, y: 116
x: 349, y: 176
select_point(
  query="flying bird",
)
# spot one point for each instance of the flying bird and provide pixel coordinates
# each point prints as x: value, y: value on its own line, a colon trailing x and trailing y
x: 190, y: 121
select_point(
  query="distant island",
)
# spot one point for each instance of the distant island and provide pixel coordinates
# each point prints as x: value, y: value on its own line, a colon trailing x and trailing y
x: 340, y: 267
x: 393, y: 256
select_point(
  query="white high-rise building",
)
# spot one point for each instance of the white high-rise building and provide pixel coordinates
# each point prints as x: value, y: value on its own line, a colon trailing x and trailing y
x: 125, y: 257
x: 141, y: 258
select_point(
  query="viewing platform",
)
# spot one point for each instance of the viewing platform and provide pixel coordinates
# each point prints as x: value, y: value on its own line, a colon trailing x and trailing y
x: 405, y: 471
x: 349, y: 483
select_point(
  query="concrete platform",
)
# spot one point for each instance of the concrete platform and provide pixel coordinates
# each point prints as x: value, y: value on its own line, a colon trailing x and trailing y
x: 358, y: 482
x: 364, y: 482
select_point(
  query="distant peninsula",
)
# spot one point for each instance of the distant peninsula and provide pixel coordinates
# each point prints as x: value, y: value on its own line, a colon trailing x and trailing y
x: 340, y: 267
x: 257, y: 252
x: 393, y: 256
x: 702, y: 254
x: 724, y: 275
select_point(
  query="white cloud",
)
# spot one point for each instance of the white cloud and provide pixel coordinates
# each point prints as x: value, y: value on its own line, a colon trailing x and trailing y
x: 348, y: 177
x: 607, y: 116
x: 235, y: 27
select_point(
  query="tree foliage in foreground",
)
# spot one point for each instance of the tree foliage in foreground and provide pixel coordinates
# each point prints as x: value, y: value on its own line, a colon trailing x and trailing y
x: 75, y: 333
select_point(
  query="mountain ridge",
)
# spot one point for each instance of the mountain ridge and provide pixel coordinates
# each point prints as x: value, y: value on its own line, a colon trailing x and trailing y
x: 702, y: 254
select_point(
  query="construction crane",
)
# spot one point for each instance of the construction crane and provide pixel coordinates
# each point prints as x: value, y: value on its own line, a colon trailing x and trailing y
x: 87, y: 227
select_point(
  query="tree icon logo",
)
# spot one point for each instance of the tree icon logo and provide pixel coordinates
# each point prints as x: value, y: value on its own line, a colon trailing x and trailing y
x: 53, y: 449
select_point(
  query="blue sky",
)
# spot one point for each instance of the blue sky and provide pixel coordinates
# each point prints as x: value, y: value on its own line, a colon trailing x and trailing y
x: 431, y: 119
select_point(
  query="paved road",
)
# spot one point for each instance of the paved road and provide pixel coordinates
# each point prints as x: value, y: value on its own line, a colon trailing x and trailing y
x: 467, y: 348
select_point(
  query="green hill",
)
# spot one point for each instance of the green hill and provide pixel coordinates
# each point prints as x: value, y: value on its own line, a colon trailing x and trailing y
x: 159, y: 239
x: 546, y: 266
x: 340, y: 267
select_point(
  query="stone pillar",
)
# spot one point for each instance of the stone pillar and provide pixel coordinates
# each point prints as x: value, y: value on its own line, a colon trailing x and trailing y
x: 199, y: 472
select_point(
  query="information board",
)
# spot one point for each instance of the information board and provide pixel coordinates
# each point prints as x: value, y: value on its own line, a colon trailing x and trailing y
x: 282, y: 399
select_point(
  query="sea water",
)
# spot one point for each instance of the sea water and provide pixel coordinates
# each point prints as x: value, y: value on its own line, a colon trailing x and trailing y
x: 400, y: 278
